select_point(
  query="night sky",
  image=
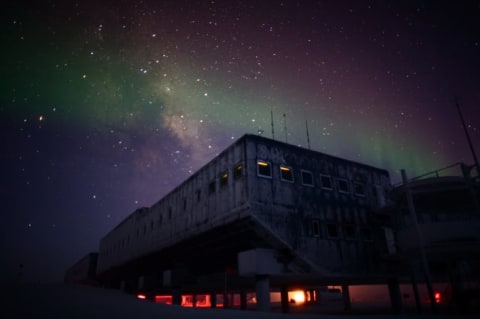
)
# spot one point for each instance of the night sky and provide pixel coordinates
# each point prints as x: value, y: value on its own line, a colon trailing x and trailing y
x: 105, y: 106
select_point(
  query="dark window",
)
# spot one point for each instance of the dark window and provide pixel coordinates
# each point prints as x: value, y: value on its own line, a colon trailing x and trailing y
x: 307, y: 178
x: 184, y: 203
x: 342, y: 185
x: 349, y: 231
x: 160, y: 220
x: 332, y: 230
x: 169, y: 212
x: 315, y: 228
x: 286, y: 174
x: 224, y: 179
x: 264, y: 169
x: 365, y: 233
x: 326, y: 181
x: 198, y: 194
x: 144, y: 229
x: 151, y: 225
x: 211, y: 187
x: 238, y: 171
x: 359, y: 189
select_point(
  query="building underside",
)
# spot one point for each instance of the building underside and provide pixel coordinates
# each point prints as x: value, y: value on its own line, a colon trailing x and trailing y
x: 200, y: 264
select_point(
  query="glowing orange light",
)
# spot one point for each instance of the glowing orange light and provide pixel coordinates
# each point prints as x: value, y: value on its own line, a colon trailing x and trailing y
x: 296, y: 295
x: 40, y: 118
x: 141, y: 296
x: 285, y: 169
x: 438, y: 297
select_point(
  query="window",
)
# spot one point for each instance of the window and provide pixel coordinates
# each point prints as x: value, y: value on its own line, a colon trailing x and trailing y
x: 326, y: 182
x: 169, y: 212
x: 307, y: 178
x: 342, y: 185
x: 224, y: 179
x: 264, y: 169
x: 286, y: 174
x: 315, y: 228
x: 238, y: 171
x: 332, y: 230
x: 184, y: 204
x: 349, y: 231
x: 359, y: 189
x: 211, y: 188
x: 198, y: 194
x: 365, y: 233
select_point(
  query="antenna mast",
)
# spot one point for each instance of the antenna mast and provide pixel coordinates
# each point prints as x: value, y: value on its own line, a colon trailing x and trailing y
x: 472, y: 149
x: 271, y: 119
x: 308, y: 135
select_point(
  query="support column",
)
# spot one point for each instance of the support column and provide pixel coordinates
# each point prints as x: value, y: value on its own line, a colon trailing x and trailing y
x: 347, y: 305
x: 284, y: 298
x: 313, y: 297
x: 416, y: 293
x: 176, y: 297
x: 395, y: 295
x: 213, y: 300
x: 243, y: 300
x: 262, y: 288
x: 141, y: 282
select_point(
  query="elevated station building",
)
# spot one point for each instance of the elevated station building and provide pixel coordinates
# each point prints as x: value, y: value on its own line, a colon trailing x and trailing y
x: 263, y: 214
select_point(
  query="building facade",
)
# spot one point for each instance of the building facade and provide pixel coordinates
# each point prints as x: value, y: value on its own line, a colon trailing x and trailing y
x: 260, y: 202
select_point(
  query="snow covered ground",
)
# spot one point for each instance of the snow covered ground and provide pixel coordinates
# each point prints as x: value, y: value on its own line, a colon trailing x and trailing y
x: 72, y: 301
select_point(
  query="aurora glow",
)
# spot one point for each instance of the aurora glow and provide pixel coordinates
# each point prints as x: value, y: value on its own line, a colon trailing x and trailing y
x: 135, y: 96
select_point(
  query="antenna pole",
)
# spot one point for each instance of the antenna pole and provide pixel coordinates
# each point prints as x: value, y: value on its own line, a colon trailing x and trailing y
x: 271, y: 119
x: 472, y: 149
x: 308, y: 135
x: 285, y: 127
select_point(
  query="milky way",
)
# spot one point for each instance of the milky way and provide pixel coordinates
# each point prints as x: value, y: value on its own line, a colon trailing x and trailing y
x: 108, y: 105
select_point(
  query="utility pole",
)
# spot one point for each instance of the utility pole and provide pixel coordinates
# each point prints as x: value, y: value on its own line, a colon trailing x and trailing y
x: 421, y: 248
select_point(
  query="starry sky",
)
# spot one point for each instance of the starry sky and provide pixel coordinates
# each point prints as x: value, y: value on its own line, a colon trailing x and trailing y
x: 105, y: 106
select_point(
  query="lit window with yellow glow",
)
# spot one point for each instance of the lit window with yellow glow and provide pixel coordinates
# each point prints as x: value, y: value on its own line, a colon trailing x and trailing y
x: 264, y: 169
x: 224, y: 179
x: 238, y: 171
x: 286, y: 174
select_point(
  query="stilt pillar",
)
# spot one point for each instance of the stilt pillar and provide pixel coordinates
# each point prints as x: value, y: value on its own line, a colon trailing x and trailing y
x: 176, y: 297
x: 262, y: 288
x: 213, y: 300
x: 284, y: 298
x: 347, y: 304
x: 243, y: 300
x: 395, y: 295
